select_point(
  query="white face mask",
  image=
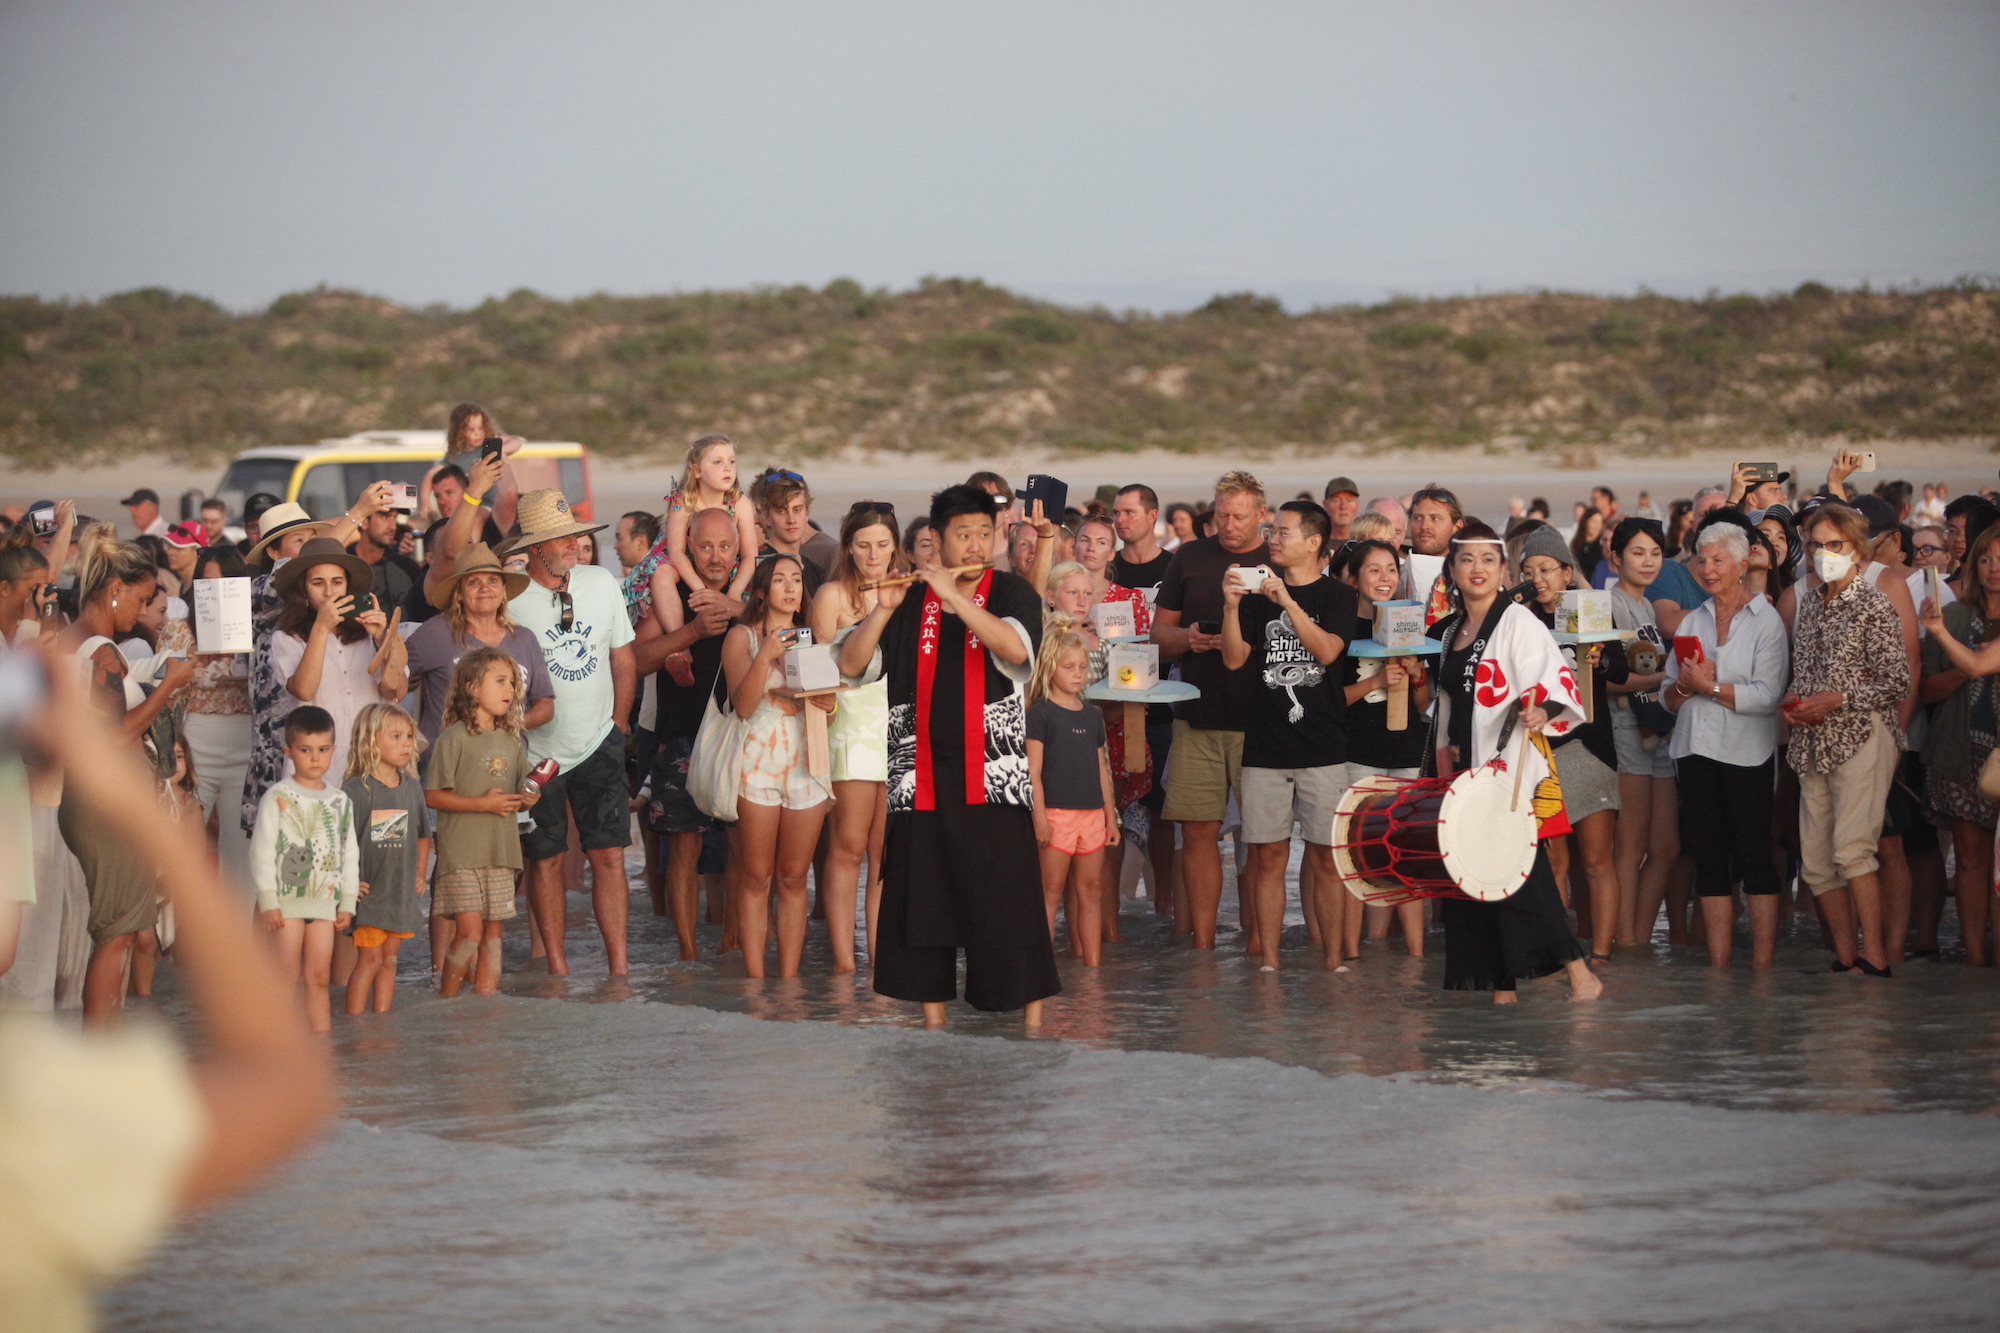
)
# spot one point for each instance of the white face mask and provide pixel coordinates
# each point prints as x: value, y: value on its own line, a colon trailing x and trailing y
x: 1832, y: 566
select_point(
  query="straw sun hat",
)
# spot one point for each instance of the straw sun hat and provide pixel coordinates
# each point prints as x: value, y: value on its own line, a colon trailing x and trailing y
x: 279, y: 520
x: 544, y: 516
x: 477, y: 558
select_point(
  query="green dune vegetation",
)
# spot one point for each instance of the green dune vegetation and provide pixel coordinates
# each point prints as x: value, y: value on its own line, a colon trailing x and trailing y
x: 967, y: 369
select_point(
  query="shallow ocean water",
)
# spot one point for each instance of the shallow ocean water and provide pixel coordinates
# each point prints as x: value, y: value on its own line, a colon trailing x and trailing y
x: 1189, y: 1145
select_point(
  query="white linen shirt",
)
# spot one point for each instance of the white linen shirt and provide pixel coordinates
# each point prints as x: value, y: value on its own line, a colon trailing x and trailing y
x: 345, y: 687
x: 1757, y: 660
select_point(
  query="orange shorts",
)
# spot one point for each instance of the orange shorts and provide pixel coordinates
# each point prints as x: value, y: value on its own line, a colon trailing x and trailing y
x: 1078, y: 832
x: 367, y: 937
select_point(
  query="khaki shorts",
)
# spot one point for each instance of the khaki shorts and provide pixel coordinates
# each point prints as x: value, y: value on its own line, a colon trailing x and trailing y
x: 489, y: 892
x: 1841, y: 813
x: 1203, y: 768
x: 1276, y: 798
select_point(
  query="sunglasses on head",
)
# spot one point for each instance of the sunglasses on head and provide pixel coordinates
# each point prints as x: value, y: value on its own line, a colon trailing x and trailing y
x: 782, y: 474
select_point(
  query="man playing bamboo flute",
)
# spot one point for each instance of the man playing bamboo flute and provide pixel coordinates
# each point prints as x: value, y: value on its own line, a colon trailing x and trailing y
x: 960, y: 869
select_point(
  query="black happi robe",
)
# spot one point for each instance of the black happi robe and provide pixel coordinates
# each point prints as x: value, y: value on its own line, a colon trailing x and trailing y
x: 964, y: 872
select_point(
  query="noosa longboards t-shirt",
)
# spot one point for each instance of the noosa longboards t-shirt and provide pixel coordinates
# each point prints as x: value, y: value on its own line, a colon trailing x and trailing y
x: 578, y: 659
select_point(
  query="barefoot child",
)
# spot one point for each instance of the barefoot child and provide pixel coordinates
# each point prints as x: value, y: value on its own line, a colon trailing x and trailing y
x: 708, y: 483
x: 1076, y: 812
x: 474, y: 783
x: 392, y: 826
x: 304, y: 861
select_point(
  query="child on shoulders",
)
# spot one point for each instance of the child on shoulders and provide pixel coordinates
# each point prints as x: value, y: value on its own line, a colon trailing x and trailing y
x: 709, y: 482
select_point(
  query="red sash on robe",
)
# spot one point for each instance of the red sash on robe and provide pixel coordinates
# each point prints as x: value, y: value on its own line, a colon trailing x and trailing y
x: 974, y: 703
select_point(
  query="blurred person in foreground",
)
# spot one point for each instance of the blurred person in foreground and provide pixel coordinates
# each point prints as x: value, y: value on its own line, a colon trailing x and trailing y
x: 105, y: 1137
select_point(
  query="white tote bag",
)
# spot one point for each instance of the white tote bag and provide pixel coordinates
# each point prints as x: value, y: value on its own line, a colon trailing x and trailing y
x: 715, y: 769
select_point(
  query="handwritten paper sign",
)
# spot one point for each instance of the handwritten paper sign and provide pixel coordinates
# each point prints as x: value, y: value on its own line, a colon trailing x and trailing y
x: 222, y: 616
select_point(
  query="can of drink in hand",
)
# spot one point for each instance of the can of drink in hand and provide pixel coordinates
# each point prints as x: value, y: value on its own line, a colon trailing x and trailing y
x: 538, y: 777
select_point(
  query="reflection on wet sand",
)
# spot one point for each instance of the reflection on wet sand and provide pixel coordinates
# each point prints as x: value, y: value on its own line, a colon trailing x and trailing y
x: 1795, y: 1037
x: 1187, y: 1145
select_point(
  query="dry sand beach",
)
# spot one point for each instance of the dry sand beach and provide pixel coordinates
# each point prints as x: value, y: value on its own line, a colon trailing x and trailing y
x: 1484, y: 480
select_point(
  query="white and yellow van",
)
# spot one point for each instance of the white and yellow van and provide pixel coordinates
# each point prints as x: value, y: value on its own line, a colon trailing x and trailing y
x: 328, y: 477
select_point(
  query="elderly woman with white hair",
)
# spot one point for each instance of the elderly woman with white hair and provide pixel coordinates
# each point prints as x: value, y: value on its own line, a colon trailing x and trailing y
x: 1725, y: 742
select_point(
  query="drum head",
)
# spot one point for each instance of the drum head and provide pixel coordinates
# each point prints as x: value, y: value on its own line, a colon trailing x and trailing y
x: 1345, y: 820
x: 1488, y: 848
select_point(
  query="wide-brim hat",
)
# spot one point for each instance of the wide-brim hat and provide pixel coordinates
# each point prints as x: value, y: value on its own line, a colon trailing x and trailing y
x: 278, y: 520
x: 326, y: 551
x: 477, y: 558
x: 544, y: 516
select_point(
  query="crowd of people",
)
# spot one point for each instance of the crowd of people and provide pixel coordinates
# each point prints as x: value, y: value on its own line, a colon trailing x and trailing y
x: 1793, y: 723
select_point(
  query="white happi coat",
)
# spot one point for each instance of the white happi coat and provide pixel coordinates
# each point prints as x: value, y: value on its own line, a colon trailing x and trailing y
x: 1518, y: 657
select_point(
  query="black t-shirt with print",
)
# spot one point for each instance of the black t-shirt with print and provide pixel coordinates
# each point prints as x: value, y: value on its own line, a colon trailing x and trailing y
x: 1297, y: 716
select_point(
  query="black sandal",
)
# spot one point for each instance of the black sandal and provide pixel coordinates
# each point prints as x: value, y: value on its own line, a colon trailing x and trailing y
x: 1839, y: 966
x: 1869, y: 969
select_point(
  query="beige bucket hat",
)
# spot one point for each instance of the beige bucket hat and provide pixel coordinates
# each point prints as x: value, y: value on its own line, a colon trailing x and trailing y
x: 544, y: 516
x: 477, y: 558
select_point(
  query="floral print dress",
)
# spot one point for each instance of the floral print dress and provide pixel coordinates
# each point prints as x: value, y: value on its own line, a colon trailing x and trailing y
x: 267, y: 700
x: 1961, y: 800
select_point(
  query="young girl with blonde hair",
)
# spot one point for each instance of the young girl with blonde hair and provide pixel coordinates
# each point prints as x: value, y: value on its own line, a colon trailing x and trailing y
x: 707, y: 482
x: 474, y: 783
x: 1075, y: 810
x: 392, y: 830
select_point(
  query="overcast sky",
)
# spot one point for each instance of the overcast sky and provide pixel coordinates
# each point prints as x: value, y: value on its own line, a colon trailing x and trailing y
x: 1134, y: 154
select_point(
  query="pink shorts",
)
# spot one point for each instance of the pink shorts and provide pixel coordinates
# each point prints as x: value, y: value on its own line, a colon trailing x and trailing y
x: 1078, y: 832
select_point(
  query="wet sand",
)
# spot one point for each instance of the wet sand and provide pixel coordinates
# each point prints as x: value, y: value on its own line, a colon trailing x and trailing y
x: 1188, y: 1145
